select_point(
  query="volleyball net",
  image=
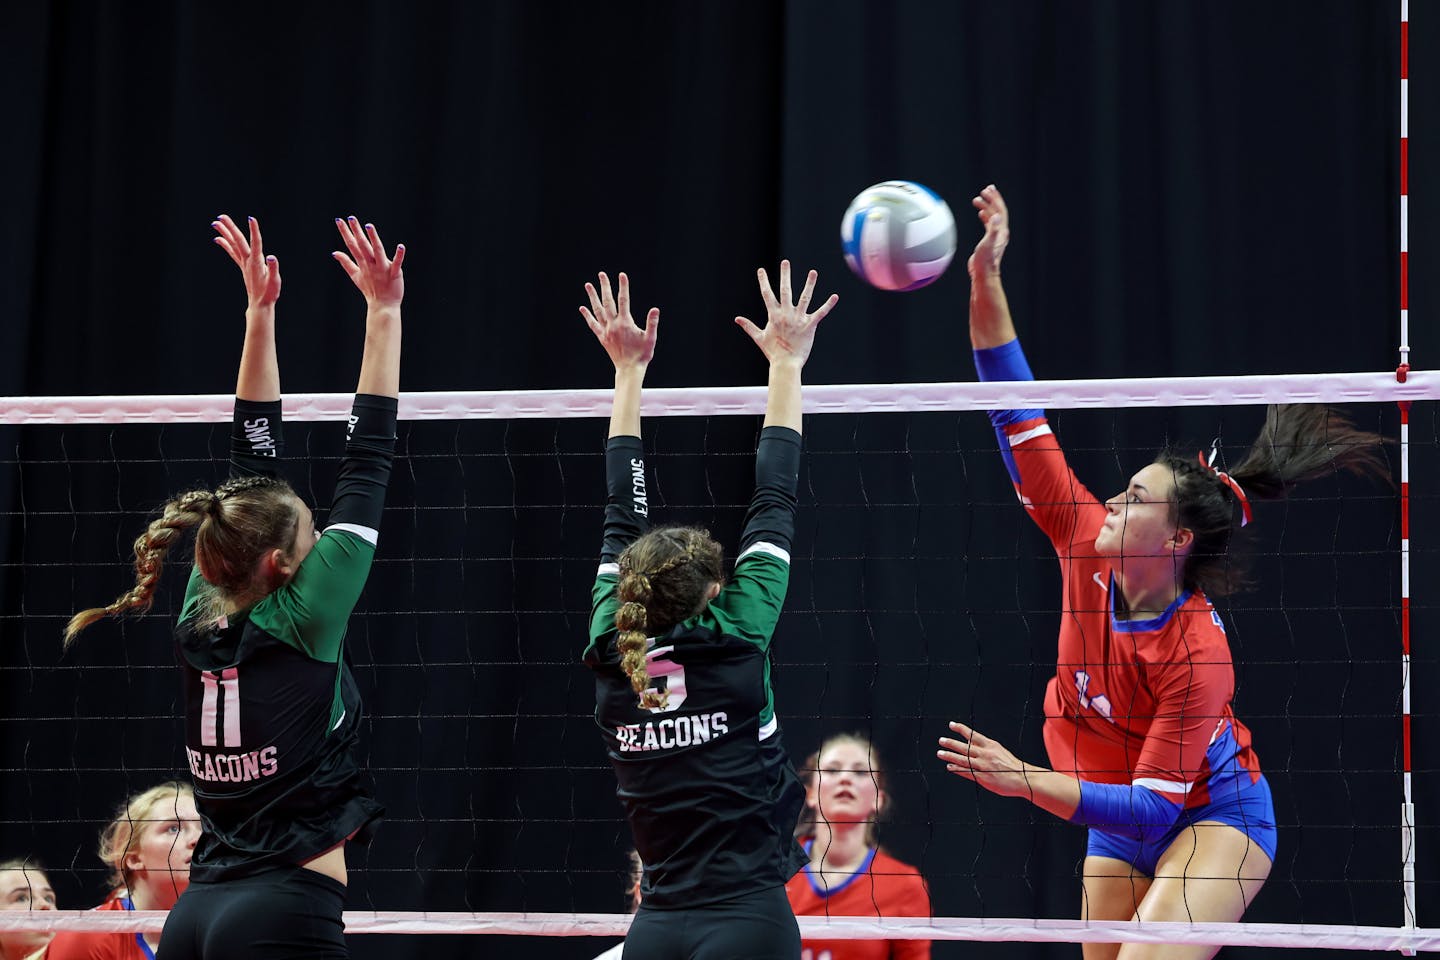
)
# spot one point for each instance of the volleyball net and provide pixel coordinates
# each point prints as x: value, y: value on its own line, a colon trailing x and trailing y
x: 920, y: 593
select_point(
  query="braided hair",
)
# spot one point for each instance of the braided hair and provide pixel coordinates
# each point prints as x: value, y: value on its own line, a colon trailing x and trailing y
x: 664, y: 577
x: 235, y: 525
x: 1299, y: 442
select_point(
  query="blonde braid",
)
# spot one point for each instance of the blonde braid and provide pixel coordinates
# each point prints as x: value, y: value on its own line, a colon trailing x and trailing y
x: 663, y: 579
x: 177, y: 516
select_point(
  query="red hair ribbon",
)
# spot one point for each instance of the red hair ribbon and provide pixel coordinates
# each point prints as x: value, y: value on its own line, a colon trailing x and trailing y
x: 1229, y: 481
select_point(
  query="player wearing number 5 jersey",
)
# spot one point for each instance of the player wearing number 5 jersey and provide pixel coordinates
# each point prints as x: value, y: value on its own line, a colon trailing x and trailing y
x: 682, y: 668
x: 272, y: 712
x: 1146, y: 749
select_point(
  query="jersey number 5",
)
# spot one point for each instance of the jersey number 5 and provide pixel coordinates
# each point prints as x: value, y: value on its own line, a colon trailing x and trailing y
x: 658, y: 664
x: 210, y: 685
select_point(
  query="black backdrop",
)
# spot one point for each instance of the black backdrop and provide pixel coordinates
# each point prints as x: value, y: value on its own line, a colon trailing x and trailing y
x: 1197, y: 189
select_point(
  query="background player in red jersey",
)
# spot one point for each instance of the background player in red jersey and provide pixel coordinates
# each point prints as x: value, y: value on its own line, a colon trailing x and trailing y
x: 147, y: 848
x: 24, y: 886
x: 848, y: 875
x: 1138, y: 722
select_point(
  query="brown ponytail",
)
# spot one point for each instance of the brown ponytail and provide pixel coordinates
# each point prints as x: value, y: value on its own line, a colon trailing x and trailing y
x: 664, y: 577
x: 1299, y: 442
x: 236, y: 524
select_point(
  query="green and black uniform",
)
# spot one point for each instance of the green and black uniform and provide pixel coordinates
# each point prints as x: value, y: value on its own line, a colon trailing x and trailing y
x: 710, y: 794
x: 272, y: 717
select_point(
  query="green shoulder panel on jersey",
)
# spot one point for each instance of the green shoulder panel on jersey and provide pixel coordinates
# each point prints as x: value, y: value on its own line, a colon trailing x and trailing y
x: 749, y: 605
x: 604, y: 601
x: 197, y: 592
x: 310, y: 612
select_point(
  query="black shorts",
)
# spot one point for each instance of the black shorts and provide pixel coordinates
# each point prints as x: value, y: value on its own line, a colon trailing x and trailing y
x: 283, y: 914
x: 757, y: 926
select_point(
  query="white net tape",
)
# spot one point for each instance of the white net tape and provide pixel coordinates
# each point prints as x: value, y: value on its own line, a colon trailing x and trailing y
x: 723, y: 401
x: 995, y: 929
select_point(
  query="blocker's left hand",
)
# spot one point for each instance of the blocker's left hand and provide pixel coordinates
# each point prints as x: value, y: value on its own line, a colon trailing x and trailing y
x: 976, y: 757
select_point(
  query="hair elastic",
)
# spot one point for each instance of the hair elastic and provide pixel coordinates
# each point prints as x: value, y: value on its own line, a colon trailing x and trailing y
x: 1229, y: 481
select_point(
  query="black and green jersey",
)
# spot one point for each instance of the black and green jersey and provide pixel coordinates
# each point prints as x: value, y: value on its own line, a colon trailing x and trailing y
x: 272, y: 711
x: 710, y: 794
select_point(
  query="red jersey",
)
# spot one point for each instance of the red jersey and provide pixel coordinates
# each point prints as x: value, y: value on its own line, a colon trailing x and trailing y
x: 101, y: 946
x: 881, y: 887
x: 1141, y: 702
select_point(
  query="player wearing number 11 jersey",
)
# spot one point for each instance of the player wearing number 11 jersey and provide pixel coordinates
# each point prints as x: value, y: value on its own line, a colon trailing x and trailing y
x: 682, y: 668
x: 272, y: 712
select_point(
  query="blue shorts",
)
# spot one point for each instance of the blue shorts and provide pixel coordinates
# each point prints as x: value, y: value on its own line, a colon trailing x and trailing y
x: 1243, y: 805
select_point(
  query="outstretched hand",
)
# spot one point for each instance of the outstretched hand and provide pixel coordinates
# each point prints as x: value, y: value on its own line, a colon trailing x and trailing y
x: 789, y: 331
x: 376, y: 275
x: 976, y: 757
x: 261, y: 273
x: 995, y: 218
x: 608, y: 317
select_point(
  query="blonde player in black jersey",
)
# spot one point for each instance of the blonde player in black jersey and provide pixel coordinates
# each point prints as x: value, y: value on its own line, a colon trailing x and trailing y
x: 272, y: 712
x: 682, y: 665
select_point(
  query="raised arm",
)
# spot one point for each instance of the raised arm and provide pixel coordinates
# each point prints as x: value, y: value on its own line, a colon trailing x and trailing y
x: 751, y: 603
x: 311, y: 610
x: 786, y: 339
x: 630, y: 349
x: 257, y: 437
x: 382, y: 280
x: 365, y: 471
x: 990, y: 323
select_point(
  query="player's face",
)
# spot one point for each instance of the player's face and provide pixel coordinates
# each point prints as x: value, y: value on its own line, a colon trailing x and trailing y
x: 1140, y: 521
x: 164, y: 842
x: 24, y: 890
x: 845, y: 789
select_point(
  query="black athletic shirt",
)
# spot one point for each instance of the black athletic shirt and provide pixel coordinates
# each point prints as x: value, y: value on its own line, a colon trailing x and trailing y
x: 272, y: 712
x: 710, y: 794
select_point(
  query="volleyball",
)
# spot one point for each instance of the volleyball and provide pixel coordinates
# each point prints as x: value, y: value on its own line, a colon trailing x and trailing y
x: 898, y: 235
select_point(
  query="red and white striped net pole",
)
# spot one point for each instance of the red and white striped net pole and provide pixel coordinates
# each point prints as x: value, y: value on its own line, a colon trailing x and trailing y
x: 1407, y: 808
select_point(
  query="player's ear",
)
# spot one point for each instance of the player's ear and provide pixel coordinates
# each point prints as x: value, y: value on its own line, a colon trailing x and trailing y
x: 278, y: 567
x: 1183, y: 538
x: 713, y: 592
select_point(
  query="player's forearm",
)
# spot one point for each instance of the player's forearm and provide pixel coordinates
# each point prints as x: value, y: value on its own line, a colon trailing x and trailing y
x: 259, y: 376
x: 1052, y: 792
x: 625, y: 411
x: 380, y: 363
x: 783, y: 405
x: 990, y: 322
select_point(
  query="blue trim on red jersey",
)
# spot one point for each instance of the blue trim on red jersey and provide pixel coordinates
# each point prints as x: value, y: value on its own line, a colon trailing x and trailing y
x: 1144, y: 626
x: 129, y: 904
x: 1005, y: 362
x: 860, y: 871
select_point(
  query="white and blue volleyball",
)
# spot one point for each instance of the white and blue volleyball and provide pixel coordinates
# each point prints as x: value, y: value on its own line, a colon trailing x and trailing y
x: 898, y: 235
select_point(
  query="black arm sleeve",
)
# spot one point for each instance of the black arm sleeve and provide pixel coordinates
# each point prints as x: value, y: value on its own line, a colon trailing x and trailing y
x: 627, y: 504
x: 257, y: 440
x: 771, y: 517
x: 365, y: 471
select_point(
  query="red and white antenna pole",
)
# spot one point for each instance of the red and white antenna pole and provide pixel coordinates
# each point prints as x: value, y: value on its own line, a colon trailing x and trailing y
x: 1407, y: 808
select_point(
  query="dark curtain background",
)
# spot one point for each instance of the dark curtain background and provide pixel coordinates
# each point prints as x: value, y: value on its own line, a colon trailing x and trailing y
x: 1196, y: 188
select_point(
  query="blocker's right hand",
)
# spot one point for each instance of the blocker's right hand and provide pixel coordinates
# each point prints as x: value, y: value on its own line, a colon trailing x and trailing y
x: 995, y: 218
x: 608, y: 317
x: 262, y: 273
